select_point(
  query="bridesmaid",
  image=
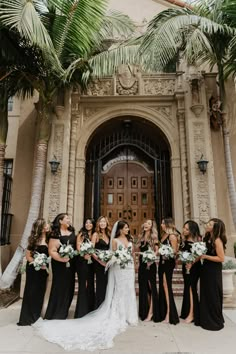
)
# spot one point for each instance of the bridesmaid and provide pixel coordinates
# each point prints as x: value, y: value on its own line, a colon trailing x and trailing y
x: 101, y: 241
x: 63, y: 278
x: 211, y: 291
x: 168, y: 311
x: 85, y: 273
x: 148, y: 297
x: 190, y: 305
x: 36, y: 280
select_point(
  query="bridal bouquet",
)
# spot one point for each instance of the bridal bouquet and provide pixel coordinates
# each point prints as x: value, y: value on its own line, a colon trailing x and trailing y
x: 186, y: 257
x: 121, y: 256
x: 104, y: 256
x: 198, y: 249
x: 67, y: 251
x: 86, y: 248
x: 166, y: 251
x: 40, y: 260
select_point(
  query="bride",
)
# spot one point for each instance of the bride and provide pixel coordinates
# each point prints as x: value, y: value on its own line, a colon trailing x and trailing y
x: 97, y: 329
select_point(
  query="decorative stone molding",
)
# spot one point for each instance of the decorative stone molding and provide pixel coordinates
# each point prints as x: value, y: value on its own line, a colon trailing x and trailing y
x: 165, y: 111
x: 55, y: 188
x: 159, y: 86
x: 197, y: 109
x: 90, y: 111
x: 184, y: 165
x: 202, y: 182
x: 59, y: 111
x: 103, y: 87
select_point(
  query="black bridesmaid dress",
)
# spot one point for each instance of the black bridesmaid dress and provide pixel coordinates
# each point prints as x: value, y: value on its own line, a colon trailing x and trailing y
x: 35, y: 287
x: 211, y: 292
x: 63, y: 285
x: 86, y: 295
x: 147, y: 287
x: 190, y: 280
x: 166, y: 266
x: 101, y: 275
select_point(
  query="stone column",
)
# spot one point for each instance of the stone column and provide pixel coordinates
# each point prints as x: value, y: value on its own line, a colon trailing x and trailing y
x: 79, y: 193
x: 177, y: 191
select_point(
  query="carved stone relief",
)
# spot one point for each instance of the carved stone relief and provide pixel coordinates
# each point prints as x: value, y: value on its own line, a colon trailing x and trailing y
x: 161, y: 86
x: 54, y: 198
x: 202, y: 186
x: 90, y: 111
x: 126, y: 81
x: 102, y: 87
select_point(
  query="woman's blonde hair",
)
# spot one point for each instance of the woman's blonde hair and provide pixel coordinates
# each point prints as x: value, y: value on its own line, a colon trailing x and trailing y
x: 152, y: 237
x: 107, y: 229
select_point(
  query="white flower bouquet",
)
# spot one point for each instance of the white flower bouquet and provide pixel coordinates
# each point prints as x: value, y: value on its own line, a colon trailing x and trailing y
x: 67, y: 251
x: 121, y: 256
x: 40, y: 260
x: 186, y: 257
x: 86, y: 248
x: 166, y: 251
x: 104, y: 256
x: 148, y: 256
x: 198, y: 249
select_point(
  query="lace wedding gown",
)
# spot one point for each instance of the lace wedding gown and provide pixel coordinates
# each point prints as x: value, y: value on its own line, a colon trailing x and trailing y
x: 97, y: 329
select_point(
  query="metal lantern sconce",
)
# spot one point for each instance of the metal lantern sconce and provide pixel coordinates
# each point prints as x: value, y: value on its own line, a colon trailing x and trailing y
x: 54, y: 163
x: 202, y: 164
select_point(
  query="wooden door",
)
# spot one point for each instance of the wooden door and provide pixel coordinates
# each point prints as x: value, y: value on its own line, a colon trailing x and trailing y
x: 127, y: 193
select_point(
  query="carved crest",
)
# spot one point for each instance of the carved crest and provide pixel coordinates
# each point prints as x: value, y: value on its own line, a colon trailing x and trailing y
x: 126, y: 76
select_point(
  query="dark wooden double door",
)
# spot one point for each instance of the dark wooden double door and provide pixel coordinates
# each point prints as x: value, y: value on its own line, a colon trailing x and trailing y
x: 127, y: 193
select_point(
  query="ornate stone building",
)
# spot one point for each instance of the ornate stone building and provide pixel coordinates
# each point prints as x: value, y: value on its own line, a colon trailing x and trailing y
x: 128, y: 147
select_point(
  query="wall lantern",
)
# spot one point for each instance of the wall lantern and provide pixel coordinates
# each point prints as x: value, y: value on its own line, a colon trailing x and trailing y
x: 202, y: 164
x: 54, y: 163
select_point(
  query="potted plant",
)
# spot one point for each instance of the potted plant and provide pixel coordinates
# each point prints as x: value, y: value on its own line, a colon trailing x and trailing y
x: 228, y: 270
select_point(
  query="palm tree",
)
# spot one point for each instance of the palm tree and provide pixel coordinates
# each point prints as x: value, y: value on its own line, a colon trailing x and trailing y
x: 77, y: 30
x: 203, y: 33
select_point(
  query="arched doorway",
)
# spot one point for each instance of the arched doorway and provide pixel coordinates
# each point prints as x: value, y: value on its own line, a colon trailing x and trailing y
x: 128, y: 172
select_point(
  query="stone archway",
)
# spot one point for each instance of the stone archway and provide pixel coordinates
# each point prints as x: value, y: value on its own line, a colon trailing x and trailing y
x: 161, y: 116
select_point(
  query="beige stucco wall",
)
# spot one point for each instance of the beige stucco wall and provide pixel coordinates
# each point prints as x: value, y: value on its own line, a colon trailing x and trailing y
x: 23, y: 167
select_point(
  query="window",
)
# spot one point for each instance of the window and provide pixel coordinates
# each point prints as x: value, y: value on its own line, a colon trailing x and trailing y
x: 109, y: 214
x: 109, y: 198
x: 120, y: 214
x: 120, y: 182
x: 120, y: 198
x: 110, y: 183
x: 8, y: 167
x: 145, y: 215
x: 134, y: 182
x: 144, y: 198
x: 144, y: 182
x: 134, y: 198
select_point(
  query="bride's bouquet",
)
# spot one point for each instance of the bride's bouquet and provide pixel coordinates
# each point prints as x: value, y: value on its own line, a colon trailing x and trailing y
x: 121, y: 256
x: 198, y: 249
x: 86, y: 248
x: 148, y: 256
x: 40, y: 260
x: 186, y: 257
x: 166, y: 251
x: 67, y: 251
x: 104, y: 256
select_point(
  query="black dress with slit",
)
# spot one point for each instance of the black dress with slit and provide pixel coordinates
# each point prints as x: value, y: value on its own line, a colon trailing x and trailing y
x: 190, y: 281
x: 63, y: 284
x: 166, y: 266
x: 147, y: 287
x: 86, y: 295
x: 100, y: 274
x: 35, y: 287
x: 211, y: 292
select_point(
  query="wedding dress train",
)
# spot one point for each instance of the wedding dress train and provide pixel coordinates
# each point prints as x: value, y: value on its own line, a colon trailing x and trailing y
x: 97, y: 329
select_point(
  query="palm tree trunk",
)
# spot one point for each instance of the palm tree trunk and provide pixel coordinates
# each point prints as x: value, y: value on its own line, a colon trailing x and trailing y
x: 11, y: 271
x: 3, y: 139
x: 227, y: 151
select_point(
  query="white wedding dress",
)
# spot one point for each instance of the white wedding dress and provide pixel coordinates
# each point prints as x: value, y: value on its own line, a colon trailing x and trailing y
x: 97, y: 329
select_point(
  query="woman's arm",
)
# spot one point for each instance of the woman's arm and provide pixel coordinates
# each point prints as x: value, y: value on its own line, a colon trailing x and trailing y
x: 79, y: 241
x: 220, y: 254
x: 114, y: 245
x: 53, y: 245
x: 174, y: 243
x: 28, y: 256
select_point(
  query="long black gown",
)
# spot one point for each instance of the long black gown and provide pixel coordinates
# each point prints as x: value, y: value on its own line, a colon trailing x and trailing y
x: 147, y: 287
x: 86, y: 295
x: 190, y: 280
x: 63, y: 285
x: 101, y: 275
x: 167, y: 267
x: 35, y: 287
x: 211, y: 292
